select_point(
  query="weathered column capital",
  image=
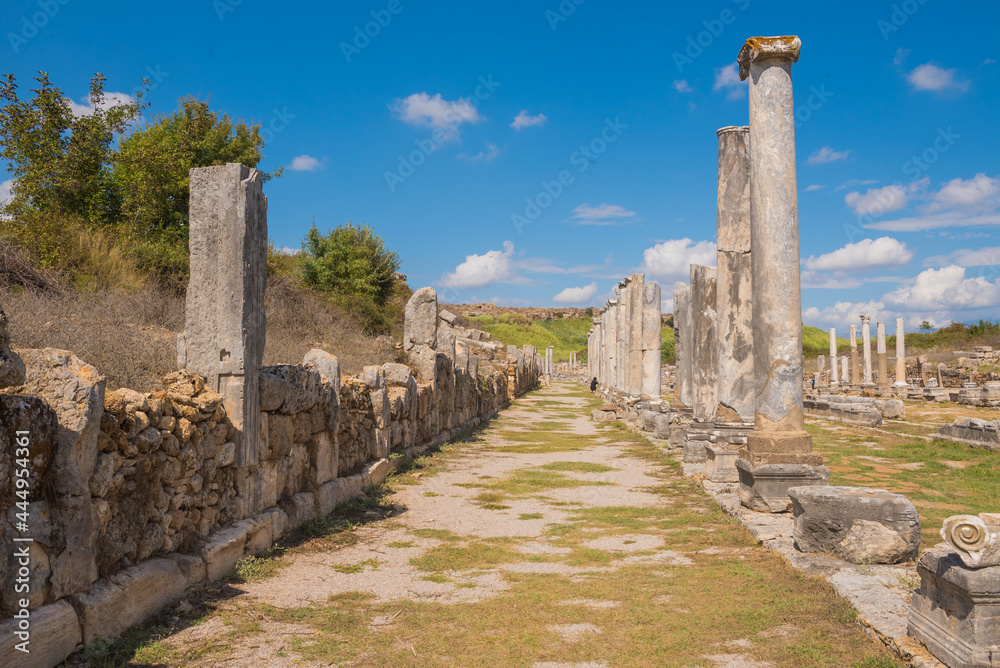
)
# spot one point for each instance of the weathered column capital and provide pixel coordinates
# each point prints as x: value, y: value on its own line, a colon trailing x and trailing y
x: 732, y: 128
x: 765, y: 48
x: 866, y: 318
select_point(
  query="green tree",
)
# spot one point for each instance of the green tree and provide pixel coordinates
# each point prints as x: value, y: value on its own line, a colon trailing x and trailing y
x: 925, y: 326
x: 152, y: 164
x: 350, y: 260
x: 59, y: 160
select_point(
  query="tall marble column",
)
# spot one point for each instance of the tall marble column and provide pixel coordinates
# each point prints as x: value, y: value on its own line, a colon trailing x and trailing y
x: 682, y: 346
x: 704, y: 354
x: 651, y: 341
x: 883, y: 362
x: 623, y: 333
x: 778, y: 453
x: 834, y: 370
x: 866, y: 349
x: 900, y: 355
x: 612, y: 344
x: 855, y: 369
x: 844, y: 369
x: 734, y: 411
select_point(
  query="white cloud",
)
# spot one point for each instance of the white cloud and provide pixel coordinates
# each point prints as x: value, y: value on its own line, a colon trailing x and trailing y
x: 682, y: 86
x: 728, y: 78
x: 901, y: 55
x: 856, y: 182
x: 931, y: 77
x: 864, y: 254
x: 877, y: 201
x: 945, y: 289
x: 478, y: 271
x: 811, y: 188
x: 288, y: 250
x: 523, y: 120
x: 86, y: 106
x: 5, y: 191
x: 827, y: 154
x: 843, y: 314
x: 305, y: 163
x: 821, y: 281
x: 490, y: 154
x: 959, y: 203
x: 602, y: 214
x: 672, y: 259
x: 989, y: 61
x: 986, y: 256
x: 436, y: 112
x: 969, y: 193
x: 667, y: 305
x: 576, y: 295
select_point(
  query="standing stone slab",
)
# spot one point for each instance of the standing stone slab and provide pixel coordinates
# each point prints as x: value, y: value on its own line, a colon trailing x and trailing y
x: 834, y: 366
x: 683, y: 342
x: 651, y: 341
x: 883, y: 362
x: 900, y: 354
x: 224, y: 328
x: 735, y: 397
x: 855, y: 368
x: 637, y: 293
x: 420, y: 320
x: 866, y: 350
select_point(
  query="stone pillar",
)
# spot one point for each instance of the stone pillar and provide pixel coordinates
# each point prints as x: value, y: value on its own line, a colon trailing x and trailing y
x: 820, y: 368
x: 612, y: 347
x: 883, y: 362
x: 866, y: 349
x: 683, y: 341
x: 623, y: 333
x: 855, y: 369
x: 704, y: 355
x: 637, y: 291
x: 834, y: 371
x: 225, y: 323
x: 651, y: 340
x: 900, y: 355
x: 778, y: 453
x: 844, y: 368
x: 734, y: 410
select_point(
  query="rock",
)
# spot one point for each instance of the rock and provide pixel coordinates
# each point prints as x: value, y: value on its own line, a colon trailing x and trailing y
x: 420, y: 320
x: 397, y: 375
x: 12, y: 369
x: 841, y: 521
x: 894, y: 409
x: 448, y: 317
x: 55, y: 633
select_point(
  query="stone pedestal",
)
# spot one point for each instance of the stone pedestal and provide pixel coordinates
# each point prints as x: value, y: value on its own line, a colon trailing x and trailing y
x: 765, y: 488
x: 956, y: 611
x: 720, y: 464
x: 696, y: 437
x: 883, y: 361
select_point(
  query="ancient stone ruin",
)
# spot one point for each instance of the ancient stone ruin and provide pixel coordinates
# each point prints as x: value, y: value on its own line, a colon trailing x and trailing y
x: 136, y: 497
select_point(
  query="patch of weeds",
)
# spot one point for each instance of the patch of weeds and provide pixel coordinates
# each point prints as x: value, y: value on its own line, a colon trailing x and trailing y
x: 401, y: 544
x: 530, y: 516
x: 530, y: 481
x: 372, y: 496
x: 588, y: 556
x: 465, y: 556
x: 438, y: 534
x: 436, y: 577
x: 256, y: 568
x: 356, y: 568
x: 429, y: 494
x: 579, y: 467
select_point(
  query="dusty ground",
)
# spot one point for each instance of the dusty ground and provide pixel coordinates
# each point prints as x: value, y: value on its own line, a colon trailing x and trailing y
x: 544, y: 540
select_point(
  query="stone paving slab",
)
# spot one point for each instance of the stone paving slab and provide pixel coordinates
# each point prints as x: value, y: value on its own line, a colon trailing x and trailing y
x: 880, y: 593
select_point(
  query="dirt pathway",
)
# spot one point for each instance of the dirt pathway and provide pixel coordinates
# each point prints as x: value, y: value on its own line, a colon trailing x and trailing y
x: 544, y: 540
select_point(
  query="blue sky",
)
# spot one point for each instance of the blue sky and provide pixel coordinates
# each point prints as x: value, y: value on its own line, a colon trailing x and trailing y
x: 535, y: 152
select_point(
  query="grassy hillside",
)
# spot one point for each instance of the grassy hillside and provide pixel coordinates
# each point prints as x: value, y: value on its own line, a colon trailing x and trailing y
x: 566, y: 334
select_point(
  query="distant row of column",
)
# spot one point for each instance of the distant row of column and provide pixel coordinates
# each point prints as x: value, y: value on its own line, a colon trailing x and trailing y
x: 839, y: 365
x: 623, y: 346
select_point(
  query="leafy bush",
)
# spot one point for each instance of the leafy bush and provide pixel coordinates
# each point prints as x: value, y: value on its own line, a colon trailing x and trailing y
x: 352, y: 261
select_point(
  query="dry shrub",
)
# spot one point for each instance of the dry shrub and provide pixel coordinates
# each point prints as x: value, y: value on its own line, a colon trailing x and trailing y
x: 17, y: 269
x: 130, y: 337
x: 299, y: 320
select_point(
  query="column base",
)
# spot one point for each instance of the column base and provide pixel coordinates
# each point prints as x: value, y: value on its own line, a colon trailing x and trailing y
x: 730, y: 433
x: 954, y: 611
x: 764, y: 487
x: 698, y: 435
x: 720, y: 464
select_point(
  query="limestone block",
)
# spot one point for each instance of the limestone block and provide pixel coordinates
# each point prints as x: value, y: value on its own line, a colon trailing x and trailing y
x: 420, y: 320
x: 764, y: 487
x: 225, y: 547
x: 54, y: 634
x: 856, y: 524
x: 694, y: 450
x: 663, y: 423
x: 956, y: 610
x: 298, y: 508
x: 604, y: 414
x: 720, y: 464
x: 269, y: 525
x: 376, y: 472
x: 397, y: 375
x: 894, y: 409
x: 648, y: 418
x: 128, y: 598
